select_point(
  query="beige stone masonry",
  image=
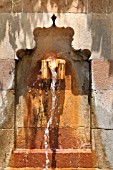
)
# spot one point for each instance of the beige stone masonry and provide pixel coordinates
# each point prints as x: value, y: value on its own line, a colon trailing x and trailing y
x: 92, y: 31
x: 102, y: 75
x: 102, y: 111
x: 75, y: 6
x: 7, y: 68
x: 102, y: 144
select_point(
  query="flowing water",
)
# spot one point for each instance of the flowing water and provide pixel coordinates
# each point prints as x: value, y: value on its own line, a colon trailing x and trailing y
x: 46, y: 135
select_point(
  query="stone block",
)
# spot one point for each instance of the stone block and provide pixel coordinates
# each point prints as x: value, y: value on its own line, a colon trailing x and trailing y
x: 17, y: 6
x: 7, y: 74
x: 5, y: 6
x: 102, y: 145
x: 6, y: 109
x: 75, y: 113
x: 102, y: 75
x: 55, y: 169
x: 99, y: 26
x: 102, y: 111
x: 100, y: 6
x: 6, y: 146
x: 9, y: 26
x: 8, y: 6
x: 111, y: 16
x: 67, y: 138
x: 74, y: 6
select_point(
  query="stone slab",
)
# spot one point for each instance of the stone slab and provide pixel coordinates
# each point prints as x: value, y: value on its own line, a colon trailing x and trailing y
x: 99, y: 26
x: 6, y: 146
x: 102, y: 111
x: 63, y: 158
x: 6, y: 109
x: 7, y: 36
x: 111, y: 18
x: 102, y: 75
x: 102, y: 144
x: 43, y: 6
x: 56, y: 169
x: 7, y: 69
x: 62, y: 138
x: 5, y: 6
x: 78, y: 116
x: 8, y: 6
x: 100, y: 6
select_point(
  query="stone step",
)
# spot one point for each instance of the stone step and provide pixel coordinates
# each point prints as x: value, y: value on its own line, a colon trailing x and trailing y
x: 59, y: 158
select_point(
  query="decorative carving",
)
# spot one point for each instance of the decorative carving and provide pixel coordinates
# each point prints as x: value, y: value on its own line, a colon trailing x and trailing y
x: 54, y: 41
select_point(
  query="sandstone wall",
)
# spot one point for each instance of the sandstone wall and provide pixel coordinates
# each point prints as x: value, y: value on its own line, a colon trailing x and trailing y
x: 93, y: 25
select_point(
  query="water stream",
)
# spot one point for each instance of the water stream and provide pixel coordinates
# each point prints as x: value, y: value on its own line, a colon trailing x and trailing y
x: 52, y: 64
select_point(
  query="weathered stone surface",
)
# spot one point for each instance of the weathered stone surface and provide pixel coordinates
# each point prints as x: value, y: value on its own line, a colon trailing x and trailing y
x: 6, y: 109
x: 19, y: 31
x: 20, y: 26
x: 7, y: 36
x: 6, y: 146
x: 74, y: 6
x: 8, y: 6
x: 102, y: 111
x: 60, y: 138
x: 56, y: 169
x: 63, y: 158
x: 7, y: 74
x: 74, y: 105
x: 17, y: 6
x: 16, y: 32
x: 111, y: 18
x: 100, y: 6
x: 102, y: 74
x: 71, y: 101
x: 102, y: 142
x: 5, y: 6
x: 99, y: 26
x: 43, y: 6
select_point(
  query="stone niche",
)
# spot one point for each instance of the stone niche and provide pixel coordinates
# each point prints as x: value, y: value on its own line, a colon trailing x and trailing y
x: 69, y: 134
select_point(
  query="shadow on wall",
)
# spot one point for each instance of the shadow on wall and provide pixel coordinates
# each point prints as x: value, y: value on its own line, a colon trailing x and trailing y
x: 13, y: 24
x: 100, y: 26
x: 42, y: 6
x: 17, y: 28
x: 56, y: 5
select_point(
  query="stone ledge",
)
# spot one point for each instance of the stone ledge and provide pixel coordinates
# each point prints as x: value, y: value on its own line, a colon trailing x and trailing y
x: 63, y: 158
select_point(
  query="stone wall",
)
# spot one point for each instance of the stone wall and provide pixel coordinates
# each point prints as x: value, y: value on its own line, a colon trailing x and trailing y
x: 93, y: 26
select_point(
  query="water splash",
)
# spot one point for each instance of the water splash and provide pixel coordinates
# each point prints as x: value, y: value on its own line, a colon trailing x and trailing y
x: 52, y: 66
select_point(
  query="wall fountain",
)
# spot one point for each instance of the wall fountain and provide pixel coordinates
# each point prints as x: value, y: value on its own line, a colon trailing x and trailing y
x: 52, y: 126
